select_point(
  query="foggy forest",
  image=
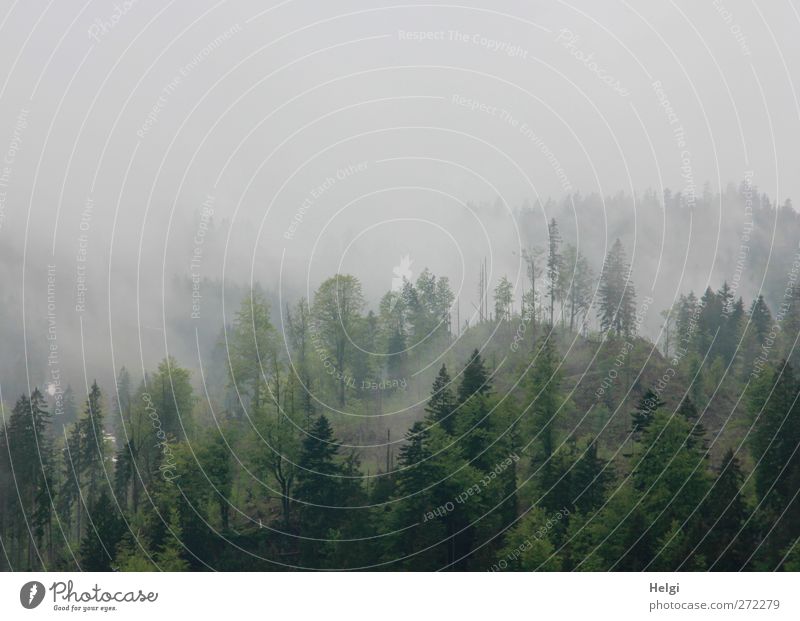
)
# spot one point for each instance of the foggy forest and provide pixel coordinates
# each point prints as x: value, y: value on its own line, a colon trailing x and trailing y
x: 545, y: 428
x: 368, y: 286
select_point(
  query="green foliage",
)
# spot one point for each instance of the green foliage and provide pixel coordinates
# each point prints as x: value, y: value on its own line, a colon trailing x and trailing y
x: 528, y: 546
x: 474, y: 379
x: 102, y: 536
x: 252, y: 350
x: 543, y: 395
x: 336, y: 313
x: 496, y: 470
x: 441, y: 406
x: 617, y: 304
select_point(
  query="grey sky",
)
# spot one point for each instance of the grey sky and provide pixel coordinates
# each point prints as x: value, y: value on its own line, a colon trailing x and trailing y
x: 369, y: 124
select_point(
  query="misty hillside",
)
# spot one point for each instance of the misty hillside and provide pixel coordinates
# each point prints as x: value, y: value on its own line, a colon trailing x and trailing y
x: 335, y: 416
x: 377, y: 286
x: 739, y: 237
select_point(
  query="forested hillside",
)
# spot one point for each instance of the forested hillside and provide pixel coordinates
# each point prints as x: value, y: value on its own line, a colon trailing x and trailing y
x: 545, y: 429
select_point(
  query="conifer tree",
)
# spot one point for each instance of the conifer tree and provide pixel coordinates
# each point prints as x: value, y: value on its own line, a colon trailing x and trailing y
x: 503, y: 299
x: 709, y: 323
x: 441, y: 406
x: 418, y: 481
x: 686, y: 320
x: 299, y: 323
x: 689, y: 413
x: 69, y: 410
x: 31, y: 461
x: 775, y: 435
x: 93, y: 449
x: 576, y: 286
x: 121, y: 405
x: 728, y: 535
x: 543, y: 394
x: 98, y: 546
x: 760, y: 319
x: 669, y: 473
x: 590, y: 480
x: 318, y: 484
x: 644, y: 412
x: 774, y: 442
x: 756, y: 332
x: 474, y: 379
x: 553, y: 265
x: 617, y: 308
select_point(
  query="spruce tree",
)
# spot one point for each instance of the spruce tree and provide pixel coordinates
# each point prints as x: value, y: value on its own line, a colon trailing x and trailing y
x: 728, y: 536
x: 98, y: 546
x: 590, y: 480
x: 318, y: 484
x: 644, y: 412
x: 31, y: 458
x: 689, y: 413
x: 709, y: 323
x: 774, y: 447
x: 92, y: 459
x: 418, y: 478
x: 669, y: 473
x: 686, y: 324
x: 442, y: 404
x: 553, y: 265
x: 760, y: 319
x: 543, y: 386
x: 775, y: 434
x: 474, y: 380
x: 617, y: 309
x: 69, y: 410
